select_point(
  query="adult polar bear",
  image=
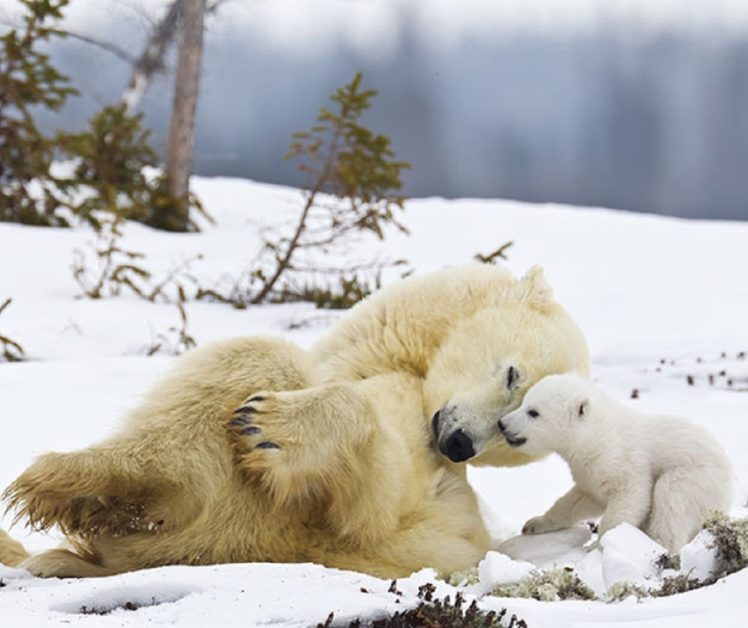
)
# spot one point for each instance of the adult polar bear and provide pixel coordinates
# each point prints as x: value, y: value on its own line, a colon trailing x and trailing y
x: 330, y: 457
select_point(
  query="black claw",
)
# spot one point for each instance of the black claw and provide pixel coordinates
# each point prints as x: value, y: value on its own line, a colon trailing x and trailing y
x: 256, y: 398
x: 239, y: 422
x: 267, y: 445
x: 245, y: 410
x: 250, y: 430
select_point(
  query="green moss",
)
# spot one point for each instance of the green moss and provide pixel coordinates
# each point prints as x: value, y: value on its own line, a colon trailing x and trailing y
x: 463, y: 578
x: 668, y: 561
x: 621, y: 590
x: 730, y: 542
x: 548, y: 586
x: 673, y: 585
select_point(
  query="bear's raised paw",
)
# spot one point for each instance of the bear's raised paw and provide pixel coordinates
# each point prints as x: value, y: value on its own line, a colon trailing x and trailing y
x: 265, y: 431
x: 250, y: 423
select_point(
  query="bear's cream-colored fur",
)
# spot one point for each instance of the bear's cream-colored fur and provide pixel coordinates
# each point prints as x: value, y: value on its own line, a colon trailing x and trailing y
x: 252, y: 449
x: 658, y: 473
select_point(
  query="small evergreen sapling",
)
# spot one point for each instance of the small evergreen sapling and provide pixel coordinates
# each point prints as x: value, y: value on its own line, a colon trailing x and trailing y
x: 110, y: 159
x: 354, y: 189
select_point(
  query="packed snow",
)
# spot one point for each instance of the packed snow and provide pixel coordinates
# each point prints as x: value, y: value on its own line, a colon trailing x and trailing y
x: 663, y: 303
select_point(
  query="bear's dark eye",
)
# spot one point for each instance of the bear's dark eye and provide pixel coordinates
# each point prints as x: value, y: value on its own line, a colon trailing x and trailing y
x: 512, y: 376
x: 533, y: 414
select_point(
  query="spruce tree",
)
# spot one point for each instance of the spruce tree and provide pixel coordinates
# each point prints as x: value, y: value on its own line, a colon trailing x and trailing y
x: 28, y: 192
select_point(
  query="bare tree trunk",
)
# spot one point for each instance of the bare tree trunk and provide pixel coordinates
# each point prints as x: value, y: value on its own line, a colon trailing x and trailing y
x: 152, y: 58
x: 186, y: 90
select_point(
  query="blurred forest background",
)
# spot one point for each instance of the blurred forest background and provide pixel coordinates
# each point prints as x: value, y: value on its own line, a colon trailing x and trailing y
x: 619, y: 103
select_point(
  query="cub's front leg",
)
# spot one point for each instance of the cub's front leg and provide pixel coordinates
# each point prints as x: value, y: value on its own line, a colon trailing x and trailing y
x: 630, y: 503
x: 569, y: 509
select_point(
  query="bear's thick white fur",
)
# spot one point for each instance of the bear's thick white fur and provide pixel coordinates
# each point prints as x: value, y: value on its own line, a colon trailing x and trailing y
x: 661, y: 474
x: 253, y: 449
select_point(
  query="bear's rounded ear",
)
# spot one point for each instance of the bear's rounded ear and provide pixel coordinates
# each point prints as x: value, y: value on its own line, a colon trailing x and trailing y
x: 534, y: 289
x: 583, y: 408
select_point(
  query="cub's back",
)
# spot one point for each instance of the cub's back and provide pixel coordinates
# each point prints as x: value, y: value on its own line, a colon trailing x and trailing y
x: 678, y: 442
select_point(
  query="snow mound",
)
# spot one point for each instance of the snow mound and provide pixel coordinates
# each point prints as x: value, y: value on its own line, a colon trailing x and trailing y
x: 629, y: 555
x: 622, y: 562
x: 497, y: 569
x: 698, y: 559
x: 552, y: 549
x: 129, y: 598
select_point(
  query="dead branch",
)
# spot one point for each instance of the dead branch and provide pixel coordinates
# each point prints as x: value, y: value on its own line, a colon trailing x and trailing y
x: 151, y: 60
x: 11, y: 351
x: 491, y: 258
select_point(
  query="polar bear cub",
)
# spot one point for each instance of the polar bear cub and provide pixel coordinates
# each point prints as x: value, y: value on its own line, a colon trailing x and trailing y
x: 661, y: 474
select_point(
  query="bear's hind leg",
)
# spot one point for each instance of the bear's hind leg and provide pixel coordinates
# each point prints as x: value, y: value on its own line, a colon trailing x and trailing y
x: 86, y: 492
x: 62, y: 563
x: 12, y: 553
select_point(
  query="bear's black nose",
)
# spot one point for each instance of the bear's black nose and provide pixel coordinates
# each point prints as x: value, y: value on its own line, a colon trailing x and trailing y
x: 502, y: 427
x: 435, y: 424
x: 458, y: 447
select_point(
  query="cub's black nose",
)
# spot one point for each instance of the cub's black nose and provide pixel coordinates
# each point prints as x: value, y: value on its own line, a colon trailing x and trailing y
x: 435, y: 424
x: 458, y: 447
x: 502, y: 427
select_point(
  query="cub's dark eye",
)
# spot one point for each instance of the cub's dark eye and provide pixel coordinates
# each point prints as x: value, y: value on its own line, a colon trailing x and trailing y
x: 533, y: 414
x: 512, y: 375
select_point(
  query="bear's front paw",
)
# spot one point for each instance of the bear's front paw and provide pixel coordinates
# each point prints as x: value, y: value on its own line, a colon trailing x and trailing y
x: 266, y: 433
x: 263, y: 430
x: 250, y: 422
x: 539, y: 525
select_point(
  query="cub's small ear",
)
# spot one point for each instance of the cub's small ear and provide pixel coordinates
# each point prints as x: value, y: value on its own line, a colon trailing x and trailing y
x: 583, y: 408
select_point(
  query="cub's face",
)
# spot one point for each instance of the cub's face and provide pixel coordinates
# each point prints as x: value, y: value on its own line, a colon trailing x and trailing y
x: 549, y: 417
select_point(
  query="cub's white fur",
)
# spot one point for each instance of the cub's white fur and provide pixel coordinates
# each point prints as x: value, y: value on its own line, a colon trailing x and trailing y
x: 661, y: 474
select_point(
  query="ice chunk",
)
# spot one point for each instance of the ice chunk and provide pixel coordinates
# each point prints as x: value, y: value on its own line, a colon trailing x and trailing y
x: 629, y: 555
x: 552, y: 549
x: 698, y: 559
x: 589, y: 570
x: 497, y: 569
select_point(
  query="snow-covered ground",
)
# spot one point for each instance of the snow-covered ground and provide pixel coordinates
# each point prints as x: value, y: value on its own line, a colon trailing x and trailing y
x: 662, y: 302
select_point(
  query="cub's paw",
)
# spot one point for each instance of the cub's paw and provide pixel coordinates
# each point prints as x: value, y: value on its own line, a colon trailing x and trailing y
x: 539, y: 525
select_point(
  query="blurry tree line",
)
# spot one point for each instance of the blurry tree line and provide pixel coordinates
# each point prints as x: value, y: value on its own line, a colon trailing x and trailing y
x: 611, y: 117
